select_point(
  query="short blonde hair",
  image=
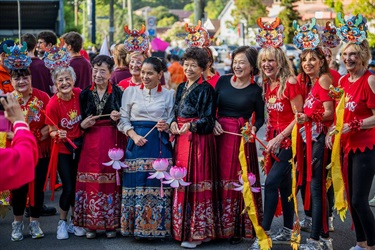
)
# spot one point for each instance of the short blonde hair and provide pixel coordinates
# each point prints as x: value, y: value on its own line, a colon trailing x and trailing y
x: 120, y: 54
x: 135, y: 53
x: 362, y: 49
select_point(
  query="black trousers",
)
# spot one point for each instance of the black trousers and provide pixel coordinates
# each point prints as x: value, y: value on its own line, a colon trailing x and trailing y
x: 279, y: 179
x: 361, y: 173
x: 19, y: 196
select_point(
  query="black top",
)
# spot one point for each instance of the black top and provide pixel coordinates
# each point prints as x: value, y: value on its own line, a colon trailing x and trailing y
x: 196, y: 102
x: 90, y: 107
x: 237, y: 103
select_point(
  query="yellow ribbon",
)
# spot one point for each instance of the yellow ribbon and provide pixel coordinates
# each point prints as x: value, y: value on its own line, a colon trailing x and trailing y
x: 3, y: 139
x: 341, y: 204
x: 296, y: 233
x: 265, y: 242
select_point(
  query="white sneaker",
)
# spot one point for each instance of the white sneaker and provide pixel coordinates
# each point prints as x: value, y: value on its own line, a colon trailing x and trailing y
x: 190, y: 244
x: 77, y: 231
x: 35, y: 230
x: 62, y: 230
x: 17, y: 228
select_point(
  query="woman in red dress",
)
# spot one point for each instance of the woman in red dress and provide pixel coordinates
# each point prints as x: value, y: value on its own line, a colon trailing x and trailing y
x: 358, y: 132
x: 195, y: 207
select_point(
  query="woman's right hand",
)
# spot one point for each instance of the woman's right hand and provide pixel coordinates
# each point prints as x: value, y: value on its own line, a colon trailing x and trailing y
x: 139, y: 140
x: 174, y: 128
x: 218, y: 130
x: 61, y: 134
x: 89, y: 121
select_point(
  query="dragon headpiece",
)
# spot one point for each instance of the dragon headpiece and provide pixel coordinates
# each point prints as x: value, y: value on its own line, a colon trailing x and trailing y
x: 56, y: 56
x: 136, y: 40
x: 16, y: 58
x: 329, y: 36
x: 197, y: 36
x: 352, y: 30
x: 270, y: 34
x: 306, y: 36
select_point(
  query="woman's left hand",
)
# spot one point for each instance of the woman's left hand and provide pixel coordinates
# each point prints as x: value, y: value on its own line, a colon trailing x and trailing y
x: 302, y: 118
x: 345, y: 128
x: 274, y: 144
x: 185, y: 128
x: 162, y: 125
x: 115, y: 115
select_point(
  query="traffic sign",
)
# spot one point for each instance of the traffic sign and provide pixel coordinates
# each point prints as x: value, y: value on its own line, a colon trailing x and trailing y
x: 151, y: 32
x: 151, y: 25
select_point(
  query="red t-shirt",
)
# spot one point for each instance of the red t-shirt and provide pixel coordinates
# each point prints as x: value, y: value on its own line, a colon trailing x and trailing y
x: 213, y: 79
x: 315, y: 99
x: 335, y: 77
x: 66, y: 115
x: 359, y: 100
x: 280, y: 112
x: 36, y: 119
x: 127, y: 83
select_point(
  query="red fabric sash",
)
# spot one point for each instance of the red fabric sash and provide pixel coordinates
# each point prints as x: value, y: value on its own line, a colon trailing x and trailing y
x: 308, y: 164
x: 52, y: 168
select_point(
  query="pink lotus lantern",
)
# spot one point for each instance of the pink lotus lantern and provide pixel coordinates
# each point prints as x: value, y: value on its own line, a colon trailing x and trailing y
x: 176, y: 177
x: 160, y: 165
x: 116, y: 154
x: 252, y: 179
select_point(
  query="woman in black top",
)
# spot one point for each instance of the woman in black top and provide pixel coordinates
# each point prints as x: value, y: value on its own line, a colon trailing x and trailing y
x: 239, y: 99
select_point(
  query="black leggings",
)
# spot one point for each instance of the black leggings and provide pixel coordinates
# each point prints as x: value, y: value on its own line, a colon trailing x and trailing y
x: 279, y: 179
x: 19, y: 196
x: 67, y: 168
x: 316, y: 189
x: 361, y: 173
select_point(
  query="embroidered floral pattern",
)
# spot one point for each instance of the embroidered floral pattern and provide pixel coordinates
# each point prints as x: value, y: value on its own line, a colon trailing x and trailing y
x: 96, y: 177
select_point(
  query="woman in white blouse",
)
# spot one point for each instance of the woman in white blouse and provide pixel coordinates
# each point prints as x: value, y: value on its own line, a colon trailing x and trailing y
x: 146, y: 210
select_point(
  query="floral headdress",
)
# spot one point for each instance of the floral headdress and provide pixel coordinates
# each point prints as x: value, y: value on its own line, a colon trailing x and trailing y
x: 197, y: 36
x: 136, y: 40
x: 329, y: 36
x: 270, y: 34
x: 56, y: 56
x: 306, y: 36
x: 353, y: 30
x: 16, y: 58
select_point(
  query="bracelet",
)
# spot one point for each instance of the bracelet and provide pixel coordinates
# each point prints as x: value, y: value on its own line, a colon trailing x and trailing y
x: 355, y: 125
x: 317, y: 116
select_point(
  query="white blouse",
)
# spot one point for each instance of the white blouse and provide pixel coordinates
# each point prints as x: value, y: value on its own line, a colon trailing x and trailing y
x: 145, y: 105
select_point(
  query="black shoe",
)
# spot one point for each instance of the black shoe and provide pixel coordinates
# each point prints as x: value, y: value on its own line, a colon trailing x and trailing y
x: 48, y: 211
x: 234, y: 240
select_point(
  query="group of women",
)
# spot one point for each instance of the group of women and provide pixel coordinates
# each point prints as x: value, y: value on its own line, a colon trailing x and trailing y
x: 93, y: 126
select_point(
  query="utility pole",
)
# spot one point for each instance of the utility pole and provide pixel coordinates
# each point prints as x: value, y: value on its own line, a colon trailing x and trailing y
x: 198, y: 10
x: 111, y: 25
x: 76, y: 12
x: 130, y: 14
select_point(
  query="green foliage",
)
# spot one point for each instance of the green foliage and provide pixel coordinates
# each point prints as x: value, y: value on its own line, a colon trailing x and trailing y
x: 248, y: 11
x: 175, y: 34
x: 214, y: 8
x: 172, y: 4
x: 287, y: 16
x: 189, y: 7
x: 69, y: 18
x: 163, y: 17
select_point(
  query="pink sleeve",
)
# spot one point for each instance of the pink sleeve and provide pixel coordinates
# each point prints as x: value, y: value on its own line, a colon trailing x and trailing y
x: 18, y: 162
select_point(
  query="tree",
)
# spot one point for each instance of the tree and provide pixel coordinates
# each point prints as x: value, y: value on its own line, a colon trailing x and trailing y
x: 287, y: 16
x: 248, y: 11
x: 214, y: 8
x: 163, y: 16
x: 189, y: 7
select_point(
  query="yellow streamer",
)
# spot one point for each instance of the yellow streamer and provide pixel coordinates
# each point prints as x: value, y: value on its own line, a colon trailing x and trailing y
x: 265, y: 242
x: 296, y: 233
x: 341, y: 203
x: 3, y: 139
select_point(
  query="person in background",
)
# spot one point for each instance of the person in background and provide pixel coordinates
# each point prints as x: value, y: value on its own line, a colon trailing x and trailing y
x: 228, y: 63
x: 47, y: 38
x: 176, y: 71
x: 137, y: 47
x: 371, y: 66
x: 23, y: 143
x: 5, y: 84
x: 32, y: 101
x: 358, y: 131
x: 146, y: 213
x: 40, y: 75
x: 334, y: 65
x: 210, y: 74
x: 98, y: 197
x: 82, y: 67
x: 233, y: 113
x: 121, y: 71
